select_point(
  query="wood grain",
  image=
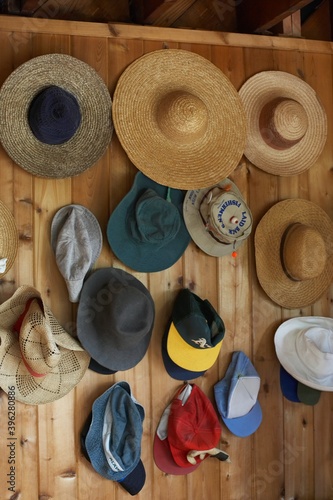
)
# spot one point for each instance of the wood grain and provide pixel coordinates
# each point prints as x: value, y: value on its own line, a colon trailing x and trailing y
x: 290, y: 455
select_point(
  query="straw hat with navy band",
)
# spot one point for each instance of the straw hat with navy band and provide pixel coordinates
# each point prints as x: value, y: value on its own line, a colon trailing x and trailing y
x: 217, y: 218
x: 294, y: 253
x: 287, y: 123
x: 37, y: 355
x: 55, y: 116
x: 146, y: 231
x: 179, y: 119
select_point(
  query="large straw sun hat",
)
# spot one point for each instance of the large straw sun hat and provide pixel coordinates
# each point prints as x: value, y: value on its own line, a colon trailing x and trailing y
x: 294, y: 253
x: 179, y: 119
x: 55, y: 116
x: 287, y: 124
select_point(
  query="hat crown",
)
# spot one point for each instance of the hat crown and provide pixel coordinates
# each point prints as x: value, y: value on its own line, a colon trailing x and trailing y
x: 304, y: 252
x: 38, y: 347
x: 283, y: 123
x: 314, y: 347
x: 54, y: 115
x: 182, y: 116
x: 226, y: 215
x: 157, y: 221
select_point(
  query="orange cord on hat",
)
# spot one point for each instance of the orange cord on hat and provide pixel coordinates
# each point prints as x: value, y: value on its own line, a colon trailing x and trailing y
x: 234, y: 254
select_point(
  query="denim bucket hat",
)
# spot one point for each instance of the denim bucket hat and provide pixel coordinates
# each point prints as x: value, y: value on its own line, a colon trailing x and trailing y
x: 111, y: 438
x: 146, y: 231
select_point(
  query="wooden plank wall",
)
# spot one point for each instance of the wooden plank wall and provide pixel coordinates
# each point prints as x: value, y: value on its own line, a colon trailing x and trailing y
x: 290, y: 456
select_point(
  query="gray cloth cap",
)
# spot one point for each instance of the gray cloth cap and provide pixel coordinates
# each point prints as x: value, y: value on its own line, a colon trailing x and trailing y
x: 76, y: 240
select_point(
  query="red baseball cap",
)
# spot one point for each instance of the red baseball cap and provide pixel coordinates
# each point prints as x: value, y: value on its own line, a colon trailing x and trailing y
x: 192, y: 426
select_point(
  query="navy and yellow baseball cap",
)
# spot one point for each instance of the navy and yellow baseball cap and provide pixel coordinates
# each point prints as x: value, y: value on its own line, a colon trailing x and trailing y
x: 194, y: 335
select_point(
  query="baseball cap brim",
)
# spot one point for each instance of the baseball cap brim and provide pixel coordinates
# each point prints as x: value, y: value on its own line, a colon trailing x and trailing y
x: 98, y: 368
x: 307, y: 395
x: 188, y: 357
x: 288, y: 385
x: 164, y: 460
x: 246, y: 425
x: 175, y: 371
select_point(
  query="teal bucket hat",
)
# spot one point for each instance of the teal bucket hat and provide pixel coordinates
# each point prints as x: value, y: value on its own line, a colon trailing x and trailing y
x: 146, y: 231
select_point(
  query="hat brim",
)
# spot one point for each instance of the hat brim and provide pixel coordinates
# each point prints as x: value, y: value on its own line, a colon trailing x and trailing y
x: 8, y: 237
x: 108, y: 352
x: 246, y: 425
x: 164, y: 460
x: 139, y: 255
x: 285, y: 347
x: 91, y: 139
x: 60, y: 380
x: 288, y: 386
x: 278, y: 286
x: 175, y: 371
x: 264, y: 87
x: 98, y: 368
x: 195, y: 226
x: 188, y: 164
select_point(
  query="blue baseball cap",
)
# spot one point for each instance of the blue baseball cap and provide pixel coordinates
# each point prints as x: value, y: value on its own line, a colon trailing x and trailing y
x: 111, y: 437
x: 236, y: 396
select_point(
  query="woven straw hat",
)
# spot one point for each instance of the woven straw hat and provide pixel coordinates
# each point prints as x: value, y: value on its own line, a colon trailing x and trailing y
x: 8, y: 238
x: 37, y: 356
x: 93, y: 134
x: 179, y: 119
x: 294, y: 253
x: 287, y: 124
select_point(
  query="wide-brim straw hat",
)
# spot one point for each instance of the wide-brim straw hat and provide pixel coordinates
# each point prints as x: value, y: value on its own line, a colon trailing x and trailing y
x: 90, y: 140
x: 38, y: 357
x: 179, y: 119
x: 287, y: 124
x: 8, y: 237
x: 294, y: 234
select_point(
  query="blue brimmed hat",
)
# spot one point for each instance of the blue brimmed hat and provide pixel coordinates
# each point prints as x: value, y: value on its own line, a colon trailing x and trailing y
x: 111, y: 437
x: 236, y: 396
x: 146, y: 231
x: 295, y: 391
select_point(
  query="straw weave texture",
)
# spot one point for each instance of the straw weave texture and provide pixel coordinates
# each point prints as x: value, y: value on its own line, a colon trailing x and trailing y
x: 8, y: 237
x: 179, y: 119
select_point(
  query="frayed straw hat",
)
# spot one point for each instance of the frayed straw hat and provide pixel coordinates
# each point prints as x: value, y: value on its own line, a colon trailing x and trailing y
x: 179, y: 119
x: 38, y: 357
x: 287, y: 124
x: 294, y: 253
x: 8, y: 239
x: 55, y: 116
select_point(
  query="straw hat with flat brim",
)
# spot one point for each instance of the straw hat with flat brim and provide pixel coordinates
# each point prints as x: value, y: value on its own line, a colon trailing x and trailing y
x: 8, y: 239
x: 88, y: 97
x: 294, y: 253
x: 287, y: 124
x: 179, y: 119
x: 40, y: 361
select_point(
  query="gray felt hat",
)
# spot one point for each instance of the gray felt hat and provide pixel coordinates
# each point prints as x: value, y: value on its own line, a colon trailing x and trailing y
x: 115, y: 318
x: 76, y: 239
